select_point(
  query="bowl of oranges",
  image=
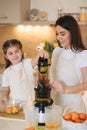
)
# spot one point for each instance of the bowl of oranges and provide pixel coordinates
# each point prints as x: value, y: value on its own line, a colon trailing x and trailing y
x: 74, y: 120
x: 12, y: 106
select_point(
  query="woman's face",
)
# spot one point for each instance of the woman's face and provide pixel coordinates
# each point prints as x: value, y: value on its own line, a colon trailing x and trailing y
x: 14, y: 54
x: 63, y: 36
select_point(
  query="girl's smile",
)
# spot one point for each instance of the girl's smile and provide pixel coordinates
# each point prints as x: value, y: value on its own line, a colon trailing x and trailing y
x: 14, y: 54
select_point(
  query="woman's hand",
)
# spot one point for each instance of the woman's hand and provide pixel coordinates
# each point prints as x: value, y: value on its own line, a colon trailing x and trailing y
x: 58, y: 86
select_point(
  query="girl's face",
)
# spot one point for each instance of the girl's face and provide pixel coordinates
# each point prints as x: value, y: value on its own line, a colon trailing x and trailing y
x: 14, y: 55
x: 63, y: 36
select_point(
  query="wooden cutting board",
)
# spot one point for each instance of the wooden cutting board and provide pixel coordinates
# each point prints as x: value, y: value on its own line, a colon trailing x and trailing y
x: 19, y: 115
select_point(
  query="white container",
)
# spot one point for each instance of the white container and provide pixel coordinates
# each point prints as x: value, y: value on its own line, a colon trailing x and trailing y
x: 83, y: 14
x: 52, y: 116
x: 60, y: 13
x: 31, y: 114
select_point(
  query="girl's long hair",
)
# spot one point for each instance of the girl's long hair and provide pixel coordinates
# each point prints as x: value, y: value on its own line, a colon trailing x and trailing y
x: 10, y: 43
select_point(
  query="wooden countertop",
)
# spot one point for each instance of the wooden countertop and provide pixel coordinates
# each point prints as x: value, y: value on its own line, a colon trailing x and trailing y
x: 19, y: 115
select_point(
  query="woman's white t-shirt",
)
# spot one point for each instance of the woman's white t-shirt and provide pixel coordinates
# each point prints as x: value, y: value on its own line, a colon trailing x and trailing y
x: 66, y: 66
x: 81, y: 58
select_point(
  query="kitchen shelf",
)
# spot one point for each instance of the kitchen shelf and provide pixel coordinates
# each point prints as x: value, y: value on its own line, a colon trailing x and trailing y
x: 82, y: 23
x: 46, y: 23
x: 41, y: 23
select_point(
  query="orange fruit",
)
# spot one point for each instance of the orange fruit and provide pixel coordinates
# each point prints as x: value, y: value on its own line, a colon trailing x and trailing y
x: 15, y: 109
x: 78, y: 121
x: 74, y: 116
x: 8, y: 110
x: 82, y: 116
x: 67, y: 116
x: 30, y: 128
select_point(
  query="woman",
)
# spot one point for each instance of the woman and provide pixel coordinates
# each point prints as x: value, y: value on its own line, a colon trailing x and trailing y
x: 69, y: 65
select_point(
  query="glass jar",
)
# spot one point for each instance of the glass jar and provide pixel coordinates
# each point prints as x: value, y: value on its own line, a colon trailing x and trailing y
x: 83, y: 14
x: 59, y: 12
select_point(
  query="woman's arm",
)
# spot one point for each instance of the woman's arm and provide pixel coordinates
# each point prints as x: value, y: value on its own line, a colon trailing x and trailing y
x: 60, y: 87
x: 81, y: 86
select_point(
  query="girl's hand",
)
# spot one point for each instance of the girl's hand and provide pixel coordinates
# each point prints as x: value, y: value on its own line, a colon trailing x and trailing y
x: 58, y: 86
x: 2, y: 102
x: 43, y: 53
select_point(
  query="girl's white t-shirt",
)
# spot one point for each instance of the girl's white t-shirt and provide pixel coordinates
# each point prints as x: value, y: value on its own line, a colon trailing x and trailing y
x: 27, y: 67
x: 81, y: 58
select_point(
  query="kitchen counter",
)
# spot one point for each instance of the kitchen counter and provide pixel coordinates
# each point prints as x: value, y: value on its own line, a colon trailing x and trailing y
x: 12, y: 124
x: 12, y: 121
x: 19, y: 115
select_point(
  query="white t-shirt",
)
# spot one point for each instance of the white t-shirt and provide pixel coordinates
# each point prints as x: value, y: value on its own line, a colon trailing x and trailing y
x: 27, y: 66
x: 81, y: 58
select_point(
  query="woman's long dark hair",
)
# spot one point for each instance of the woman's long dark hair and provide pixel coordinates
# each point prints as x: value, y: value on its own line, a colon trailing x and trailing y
x: 70, y: 24
x: 6, y: 45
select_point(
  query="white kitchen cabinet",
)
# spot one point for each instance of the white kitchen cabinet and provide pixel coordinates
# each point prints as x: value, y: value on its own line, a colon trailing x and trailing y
x: 14, y: 11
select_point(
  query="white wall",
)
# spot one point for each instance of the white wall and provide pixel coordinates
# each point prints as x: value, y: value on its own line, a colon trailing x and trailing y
x: 51, y: 6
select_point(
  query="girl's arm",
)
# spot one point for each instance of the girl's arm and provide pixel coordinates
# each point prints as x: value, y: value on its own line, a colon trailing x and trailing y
x: 5, y: 93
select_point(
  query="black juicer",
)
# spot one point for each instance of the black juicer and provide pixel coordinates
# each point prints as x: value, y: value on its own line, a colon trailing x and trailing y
x: 42, y: 91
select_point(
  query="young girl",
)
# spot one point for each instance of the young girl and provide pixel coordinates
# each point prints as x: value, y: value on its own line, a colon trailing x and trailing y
x: 17, y: 80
